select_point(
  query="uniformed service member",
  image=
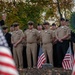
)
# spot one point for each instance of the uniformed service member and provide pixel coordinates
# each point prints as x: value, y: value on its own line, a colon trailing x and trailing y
x: 46, y: 37
x: 39, y: 28
x: 7, y: 35
x: 62, y: 33
x: 67, y: 23
x: 31, y: 36
x: 70, y: 38
x: 16, y: 39
x: 53, y: 28
x: 11, y: 29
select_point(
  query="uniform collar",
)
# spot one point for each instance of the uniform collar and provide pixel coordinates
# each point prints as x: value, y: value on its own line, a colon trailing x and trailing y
x: 62, y: 26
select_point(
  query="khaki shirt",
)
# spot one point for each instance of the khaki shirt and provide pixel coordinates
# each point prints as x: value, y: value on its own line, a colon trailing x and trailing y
x: 17, y: 35
x: 54, y: 32
x: 54, y: 37
x: 69, y: 37
x: 46, y: 36
x: 31, y: 35
x: 62, y: 31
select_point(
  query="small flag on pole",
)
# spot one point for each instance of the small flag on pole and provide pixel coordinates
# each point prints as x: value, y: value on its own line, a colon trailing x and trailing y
x: 41, y: 58
x: 7, y: 65
x: 67, y: 62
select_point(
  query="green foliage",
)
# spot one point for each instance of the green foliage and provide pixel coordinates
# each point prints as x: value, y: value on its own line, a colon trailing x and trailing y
x: 23, y: 13
x: 32, y: 10
x: 72, y: 22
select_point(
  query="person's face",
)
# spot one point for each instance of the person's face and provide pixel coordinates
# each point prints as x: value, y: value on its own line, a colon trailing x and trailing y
x: 16, y: 28
x: 5, y: 30
x: 30, y: 26
x: 62, y: 23
x: 67, y: 23
x: 39, y: 27
x: 53, y: 27
x: 11, y: 29
x: 46, y: 26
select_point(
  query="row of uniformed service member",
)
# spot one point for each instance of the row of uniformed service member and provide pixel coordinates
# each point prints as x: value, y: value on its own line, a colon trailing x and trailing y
x: 53, y: 41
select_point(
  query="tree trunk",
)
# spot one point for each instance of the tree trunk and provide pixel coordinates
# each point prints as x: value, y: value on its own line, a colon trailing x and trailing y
x: 14, y: 2
x: 59, y: 8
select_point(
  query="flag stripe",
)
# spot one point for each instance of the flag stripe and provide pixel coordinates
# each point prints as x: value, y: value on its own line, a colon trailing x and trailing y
x: 6, y: 55
x: 5, y: 50
x: 8, y: 70
x: 8, y: 65
x: 43, y: 59
x: 2, y: 59
x: 5, y: 73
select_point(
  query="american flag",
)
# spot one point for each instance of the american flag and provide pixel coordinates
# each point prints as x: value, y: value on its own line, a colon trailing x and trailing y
x: 67, y: 62
x: 7, y: 65
x: 41, y: 58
